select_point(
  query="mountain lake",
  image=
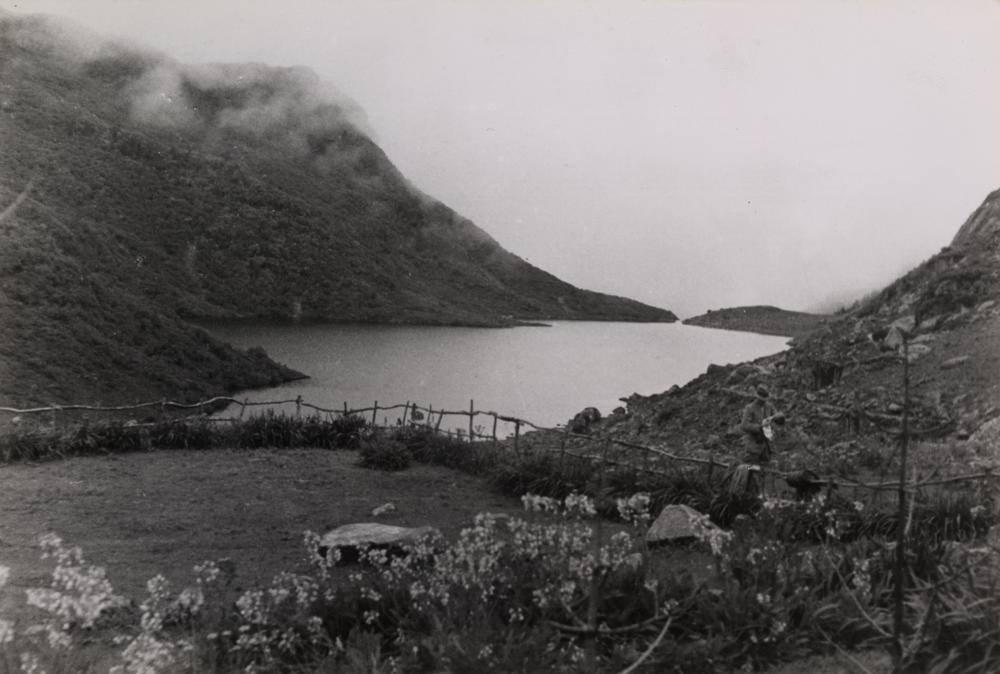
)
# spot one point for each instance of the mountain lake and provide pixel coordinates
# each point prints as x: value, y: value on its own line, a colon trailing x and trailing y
x: 542, y: 374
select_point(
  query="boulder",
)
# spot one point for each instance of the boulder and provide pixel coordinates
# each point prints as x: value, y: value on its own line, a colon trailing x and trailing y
x: 894, y: 338
x: 582, y: 421
x: 916, y: 351
x: 350, y: 539
x: 713, y: 368
x: 740, y: 373
x: 677, y: 523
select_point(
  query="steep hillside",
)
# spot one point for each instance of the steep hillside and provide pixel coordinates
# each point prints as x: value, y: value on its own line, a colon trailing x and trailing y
x: 766, y: 320
x: 842, y: 385
x: 136, y: 187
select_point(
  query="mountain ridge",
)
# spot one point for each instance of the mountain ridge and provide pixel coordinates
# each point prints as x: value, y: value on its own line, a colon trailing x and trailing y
x: 232, y: 191
x: 841, y: 386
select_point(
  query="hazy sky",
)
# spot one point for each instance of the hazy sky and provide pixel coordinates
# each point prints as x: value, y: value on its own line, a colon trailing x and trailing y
x: 689, y: 154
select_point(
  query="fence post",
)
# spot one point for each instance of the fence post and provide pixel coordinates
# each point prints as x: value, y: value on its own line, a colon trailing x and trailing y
x: 345, y: 408
x: 298, y: 405
x: 471, y: 417
x: 243, y: 407
x: 406, y: 412
x: 562, y: 455
x: 437, y: 426
x: 593, y: 600
x: 900, y: 565
x: 517, y: 436
x: 430, y: 413
x: 375, y: 414
x: 494, y: 430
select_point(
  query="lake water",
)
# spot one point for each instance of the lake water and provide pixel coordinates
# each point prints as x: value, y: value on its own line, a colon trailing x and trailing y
x: 542, y: 374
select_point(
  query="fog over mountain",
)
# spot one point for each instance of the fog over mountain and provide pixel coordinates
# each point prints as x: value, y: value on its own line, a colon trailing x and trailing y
x: 693, y: 155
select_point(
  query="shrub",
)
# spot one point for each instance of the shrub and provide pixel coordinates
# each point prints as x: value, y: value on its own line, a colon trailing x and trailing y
x: 385, y: 454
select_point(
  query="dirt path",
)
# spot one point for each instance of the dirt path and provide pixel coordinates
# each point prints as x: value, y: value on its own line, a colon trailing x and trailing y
x: 163, y: 512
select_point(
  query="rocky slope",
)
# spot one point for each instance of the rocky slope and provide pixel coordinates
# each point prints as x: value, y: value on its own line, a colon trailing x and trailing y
x: 842, y: 386
x: 139, y: 192
x: 765, y: 320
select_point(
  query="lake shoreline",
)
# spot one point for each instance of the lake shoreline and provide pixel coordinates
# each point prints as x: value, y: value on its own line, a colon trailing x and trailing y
x: 544, y: 376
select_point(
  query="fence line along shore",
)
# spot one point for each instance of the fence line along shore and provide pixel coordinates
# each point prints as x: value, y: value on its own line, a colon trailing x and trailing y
x: 427, y: 414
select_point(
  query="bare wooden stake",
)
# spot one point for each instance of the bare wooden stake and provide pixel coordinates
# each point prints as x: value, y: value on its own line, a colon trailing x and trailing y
x: 375, y: 414
x: 406, y: 411
x: 899, y: 571
x: 471, y: 409
x: 517, y: 436
x: 494, y: 429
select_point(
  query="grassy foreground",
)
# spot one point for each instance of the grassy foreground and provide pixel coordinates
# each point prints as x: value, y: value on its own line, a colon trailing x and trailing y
x: 785, y: 580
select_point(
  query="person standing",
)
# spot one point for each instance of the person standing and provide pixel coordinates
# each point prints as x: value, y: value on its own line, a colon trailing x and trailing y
x: 757, y: 428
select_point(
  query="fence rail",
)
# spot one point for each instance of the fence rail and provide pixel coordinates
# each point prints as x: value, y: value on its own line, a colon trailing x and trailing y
x: 432, y: 418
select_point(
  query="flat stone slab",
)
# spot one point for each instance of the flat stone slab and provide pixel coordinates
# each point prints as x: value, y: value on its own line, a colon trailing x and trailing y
x: 676, y: 523
x: 373, y: 534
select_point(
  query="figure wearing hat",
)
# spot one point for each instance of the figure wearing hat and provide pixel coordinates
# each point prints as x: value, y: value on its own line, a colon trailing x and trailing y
x: 757, y: 428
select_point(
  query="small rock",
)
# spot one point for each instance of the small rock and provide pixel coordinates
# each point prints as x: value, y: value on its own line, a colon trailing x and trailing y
x: 674, y: 390
x: 811, y: 397
x: 618, y: 411
x: 713, y: 368
x: 917, y: 351
x: 894, y: 338
x: 384, y: 509
x: 740, y: 373
x: 930, y: 324
x: 895, y: 408
x: 906, y: 323
x: 954, y: 362
x: 677, y: 523
x: 985, y: 306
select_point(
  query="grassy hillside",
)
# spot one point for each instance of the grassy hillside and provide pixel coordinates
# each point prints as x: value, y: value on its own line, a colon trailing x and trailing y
x: 161, y: 192
x: 842, y: 384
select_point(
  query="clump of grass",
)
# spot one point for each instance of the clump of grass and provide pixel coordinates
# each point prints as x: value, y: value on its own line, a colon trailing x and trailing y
x: 268, y: 430
x: 386, y: 454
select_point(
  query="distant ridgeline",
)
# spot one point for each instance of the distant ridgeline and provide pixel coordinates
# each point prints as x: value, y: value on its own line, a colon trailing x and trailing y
x: 766, y: 320
x: 137, y: 192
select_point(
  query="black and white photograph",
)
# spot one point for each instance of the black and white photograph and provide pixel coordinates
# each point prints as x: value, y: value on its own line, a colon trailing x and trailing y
x: 443, y: 336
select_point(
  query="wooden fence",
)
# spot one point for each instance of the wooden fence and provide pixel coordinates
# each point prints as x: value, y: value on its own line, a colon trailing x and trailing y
x: 636, y: 457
